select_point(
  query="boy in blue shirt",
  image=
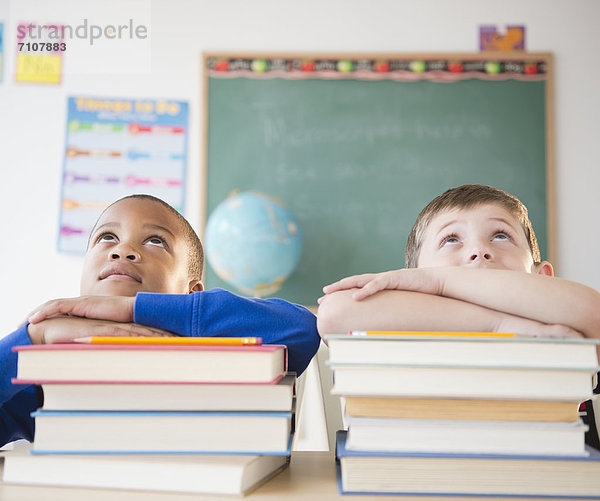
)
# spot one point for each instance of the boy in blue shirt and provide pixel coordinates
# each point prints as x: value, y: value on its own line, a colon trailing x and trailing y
x: 472, y: 264
x: 142, y: 277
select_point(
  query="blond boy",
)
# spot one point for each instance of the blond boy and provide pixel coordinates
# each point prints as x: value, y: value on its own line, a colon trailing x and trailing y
x: 473, y: 264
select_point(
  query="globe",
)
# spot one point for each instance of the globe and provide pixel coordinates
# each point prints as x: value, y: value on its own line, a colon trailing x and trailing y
x: 253, y: 242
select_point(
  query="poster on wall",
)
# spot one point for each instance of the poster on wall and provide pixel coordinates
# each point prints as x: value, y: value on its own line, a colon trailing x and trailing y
x: 491, y: 38
x: 40, y: 49
x: 114, y: 148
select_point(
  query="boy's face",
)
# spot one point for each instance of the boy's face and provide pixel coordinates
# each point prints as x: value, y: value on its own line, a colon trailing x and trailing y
x: 136, y: 245
x: 483, y: 236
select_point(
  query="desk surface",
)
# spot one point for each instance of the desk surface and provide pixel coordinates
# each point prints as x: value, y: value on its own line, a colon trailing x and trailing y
x: 310, y: 476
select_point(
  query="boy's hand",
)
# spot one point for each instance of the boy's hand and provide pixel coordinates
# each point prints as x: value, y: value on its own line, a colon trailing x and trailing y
x: 115, y: 308
x: 520, y: 325
x: 409, y: 279
x: 65, y: 329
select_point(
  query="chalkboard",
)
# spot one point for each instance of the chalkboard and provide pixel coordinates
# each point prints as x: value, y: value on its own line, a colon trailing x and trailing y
x: 356, y: 147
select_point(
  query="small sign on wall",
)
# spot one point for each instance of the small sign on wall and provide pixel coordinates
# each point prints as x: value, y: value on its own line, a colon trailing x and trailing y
x: 39, y: 53
x: 491, y: 39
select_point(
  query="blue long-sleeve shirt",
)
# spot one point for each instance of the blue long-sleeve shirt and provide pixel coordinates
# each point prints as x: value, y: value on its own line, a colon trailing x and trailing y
x: 218, y: 312
x: 202, y: 314
x: 17, y: 401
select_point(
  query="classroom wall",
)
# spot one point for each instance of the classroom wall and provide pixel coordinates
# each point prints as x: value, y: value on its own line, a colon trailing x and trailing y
x: 32, y: 117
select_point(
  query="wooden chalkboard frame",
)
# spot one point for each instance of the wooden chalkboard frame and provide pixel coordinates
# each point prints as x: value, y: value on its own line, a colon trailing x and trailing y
x: 512, y: 64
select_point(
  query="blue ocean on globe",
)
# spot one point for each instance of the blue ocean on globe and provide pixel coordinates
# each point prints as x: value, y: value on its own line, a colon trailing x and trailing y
x: 253, y: 242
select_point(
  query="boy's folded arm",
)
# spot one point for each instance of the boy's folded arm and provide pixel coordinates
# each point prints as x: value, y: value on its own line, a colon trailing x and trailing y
x: 65, y: 329
x: 221, y: 313
x: 537, y: 297
x: 408, y: 279
x: 414, y: 311
x: 531, y: 296
x: 401, y: 310
x: 114, y: 308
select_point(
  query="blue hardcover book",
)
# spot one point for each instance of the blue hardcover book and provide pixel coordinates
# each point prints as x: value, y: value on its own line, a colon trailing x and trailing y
x: 131, y: 432
x: 362, y: 472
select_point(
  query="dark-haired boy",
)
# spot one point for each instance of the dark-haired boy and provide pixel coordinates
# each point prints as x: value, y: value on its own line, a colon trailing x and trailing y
x: 142, y: 277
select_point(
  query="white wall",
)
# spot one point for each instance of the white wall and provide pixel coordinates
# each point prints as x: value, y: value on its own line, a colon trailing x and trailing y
x: 32, y: 117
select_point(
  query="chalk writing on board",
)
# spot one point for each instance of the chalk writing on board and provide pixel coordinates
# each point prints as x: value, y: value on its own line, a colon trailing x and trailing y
x: 277, y: 130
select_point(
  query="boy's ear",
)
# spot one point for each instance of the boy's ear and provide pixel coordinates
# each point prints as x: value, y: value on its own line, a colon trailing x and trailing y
x: 195, y: 286
x: 544, y: 268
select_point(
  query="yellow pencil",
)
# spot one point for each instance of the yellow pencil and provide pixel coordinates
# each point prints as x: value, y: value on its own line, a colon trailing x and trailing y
x: 430, y: 333
x: 170, y: 340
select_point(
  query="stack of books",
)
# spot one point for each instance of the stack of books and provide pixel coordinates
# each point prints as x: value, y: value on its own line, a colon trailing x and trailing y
x: 171, y: 414
x: 464, y: 414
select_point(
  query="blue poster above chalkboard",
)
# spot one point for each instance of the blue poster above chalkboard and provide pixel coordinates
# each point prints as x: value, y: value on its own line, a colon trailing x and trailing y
x: 356, y: 146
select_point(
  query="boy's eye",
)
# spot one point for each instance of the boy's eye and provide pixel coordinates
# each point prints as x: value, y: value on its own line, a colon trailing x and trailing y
x: 501, y: 236
x: 157, y: 241
x: 450, y: 239
x: 106, y: 237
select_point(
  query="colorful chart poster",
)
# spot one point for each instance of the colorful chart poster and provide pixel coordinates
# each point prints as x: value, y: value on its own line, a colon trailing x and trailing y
x: 1, y: 50
x: 114, y: 148
x: 39, y: 53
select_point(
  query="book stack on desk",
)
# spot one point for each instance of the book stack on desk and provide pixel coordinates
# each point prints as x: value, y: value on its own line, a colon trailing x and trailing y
x: 464, y: 414
x: 173, y: 414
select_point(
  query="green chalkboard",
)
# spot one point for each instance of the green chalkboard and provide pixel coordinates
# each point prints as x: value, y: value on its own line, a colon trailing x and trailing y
x: 356, y: 157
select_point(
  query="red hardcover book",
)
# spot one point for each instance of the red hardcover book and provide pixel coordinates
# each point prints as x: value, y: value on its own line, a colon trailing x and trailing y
x: 75, y: 362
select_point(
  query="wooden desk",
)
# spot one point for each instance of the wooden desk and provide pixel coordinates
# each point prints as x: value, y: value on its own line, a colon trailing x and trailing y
x: 310, y: 477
